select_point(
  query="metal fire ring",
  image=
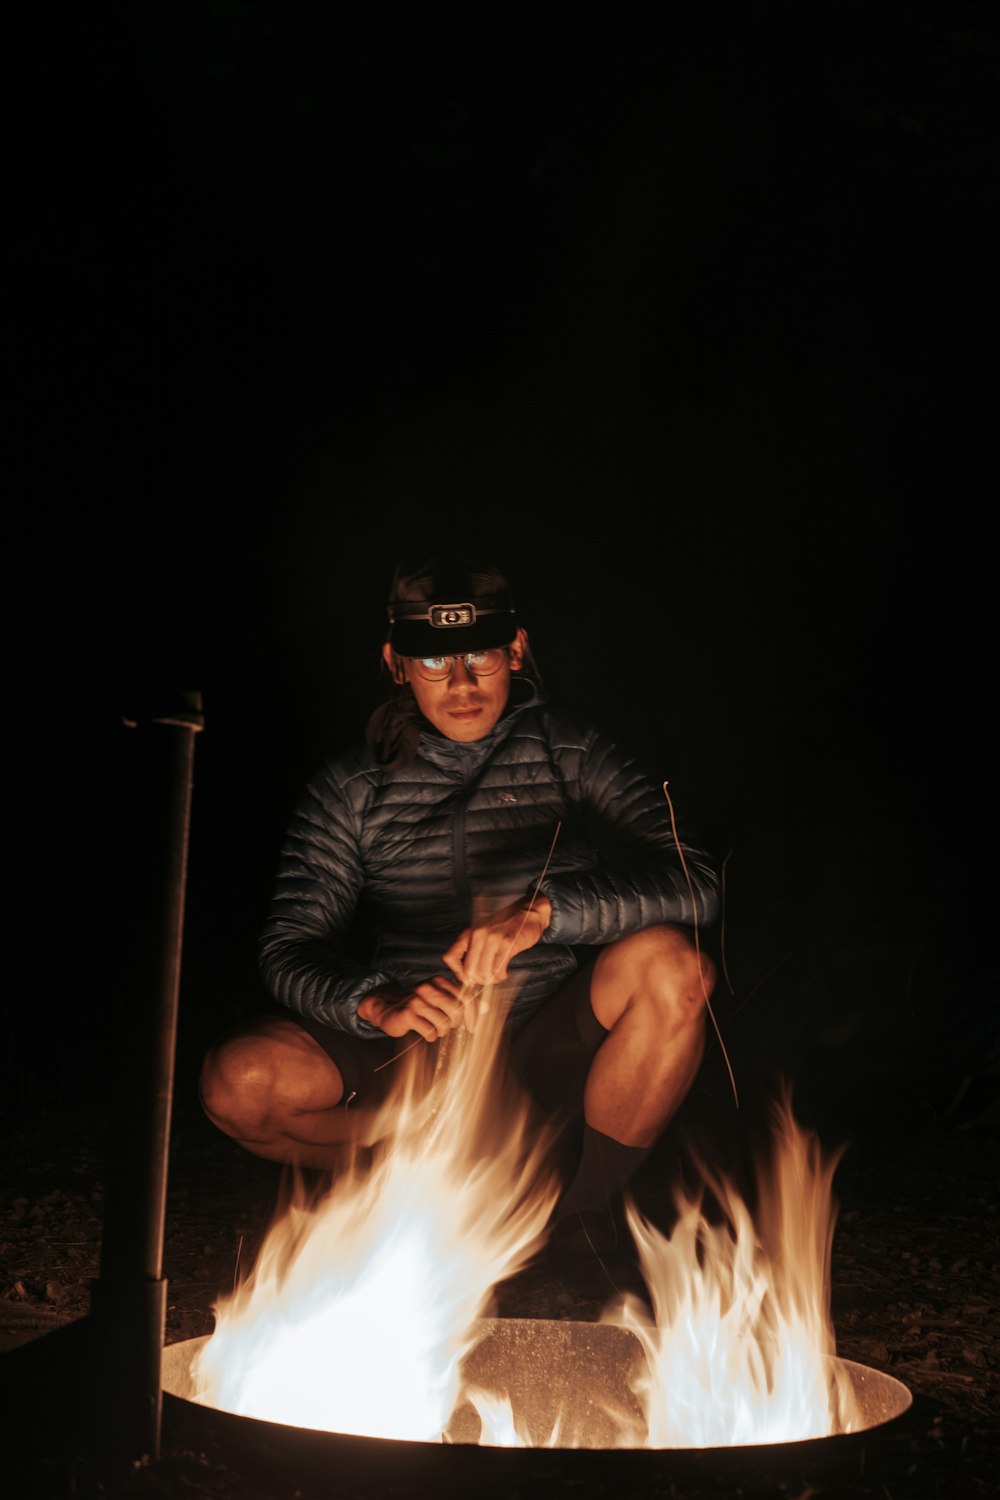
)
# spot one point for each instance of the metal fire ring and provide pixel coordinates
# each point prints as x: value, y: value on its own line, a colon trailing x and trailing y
x: 545, y: 1366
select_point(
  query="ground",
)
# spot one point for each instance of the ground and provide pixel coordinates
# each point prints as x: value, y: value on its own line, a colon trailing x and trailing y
x: 916, y: 1287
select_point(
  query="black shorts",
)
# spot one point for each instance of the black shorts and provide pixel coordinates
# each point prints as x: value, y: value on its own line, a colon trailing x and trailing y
x: 551, y: 1051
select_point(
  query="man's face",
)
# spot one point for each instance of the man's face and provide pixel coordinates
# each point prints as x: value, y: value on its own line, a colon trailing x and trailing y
x: 462, y: 706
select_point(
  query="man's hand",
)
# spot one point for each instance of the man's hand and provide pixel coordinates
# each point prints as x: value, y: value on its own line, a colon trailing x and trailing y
x: 431, y: 1009
x: 481, y: 953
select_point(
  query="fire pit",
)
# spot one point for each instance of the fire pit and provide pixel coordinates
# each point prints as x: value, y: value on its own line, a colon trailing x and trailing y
x: 570, y: 1387
x: 359, y: 1342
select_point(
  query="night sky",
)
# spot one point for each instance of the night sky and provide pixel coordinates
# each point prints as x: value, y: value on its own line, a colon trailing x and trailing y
x: 690, y: 321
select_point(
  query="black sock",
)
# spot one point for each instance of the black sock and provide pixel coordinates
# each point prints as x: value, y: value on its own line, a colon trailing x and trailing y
x: 606, y: 1165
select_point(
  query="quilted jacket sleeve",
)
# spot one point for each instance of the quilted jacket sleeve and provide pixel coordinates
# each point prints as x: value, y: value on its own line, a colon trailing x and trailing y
x: 637, y: 876
x: 303, y: 947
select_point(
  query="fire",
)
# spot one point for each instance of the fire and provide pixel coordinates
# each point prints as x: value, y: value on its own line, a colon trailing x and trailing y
x: 740, y: 1347
x: 359, y: 1311
x: 362, y: 1309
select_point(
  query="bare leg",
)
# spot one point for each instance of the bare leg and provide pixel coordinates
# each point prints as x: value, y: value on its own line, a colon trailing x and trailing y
x: 275, y: 1091
x: 649, y: 991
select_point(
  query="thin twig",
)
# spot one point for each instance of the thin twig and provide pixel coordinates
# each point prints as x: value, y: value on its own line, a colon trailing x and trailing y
x: 527, y: 912
x: 482, y: 987
x: 697, y: 945
x: 760, y: 982
x: 722, y: 928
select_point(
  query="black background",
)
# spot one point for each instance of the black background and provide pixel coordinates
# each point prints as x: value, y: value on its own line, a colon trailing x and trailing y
x: 689, y: 320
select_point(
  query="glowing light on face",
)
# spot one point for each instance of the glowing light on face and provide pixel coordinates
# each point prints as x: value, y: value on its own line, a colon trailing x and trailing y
x: 463, y: 702
x: 476, y: 663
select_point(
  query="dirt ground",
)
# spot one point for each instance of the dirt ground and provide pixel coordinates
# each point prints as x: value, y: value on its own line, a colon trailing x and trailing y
x: 916, y: 1287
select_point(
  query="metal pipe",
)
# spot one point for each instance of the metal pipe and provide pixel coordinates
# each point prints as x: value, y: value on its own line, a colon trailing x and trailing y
x: 129, y: 1303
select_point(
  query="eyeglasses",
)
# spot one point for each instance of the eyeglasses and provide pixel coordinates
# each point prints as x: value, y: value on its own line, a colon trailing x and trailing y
x: 478, y: 663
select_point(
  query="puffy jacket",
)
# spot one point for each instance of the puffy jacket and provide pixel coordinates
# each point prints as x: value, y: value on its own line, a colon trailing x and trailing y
x: 382, y: 869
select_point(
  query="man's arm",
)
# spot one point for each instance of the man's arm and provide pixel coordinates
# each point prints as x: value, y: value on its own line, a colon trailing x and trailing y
x: 303, y: 948
x: 640, y: 876
x: 303, y: 957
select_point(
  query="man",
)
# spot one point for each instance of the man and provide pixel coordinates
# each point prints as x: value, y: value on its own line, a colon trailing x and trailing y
x: 476, y: 839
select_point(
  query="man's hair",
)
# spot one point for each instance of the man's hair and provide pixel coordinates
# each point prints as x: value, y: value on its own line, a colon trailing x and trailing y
x: 394, y: 728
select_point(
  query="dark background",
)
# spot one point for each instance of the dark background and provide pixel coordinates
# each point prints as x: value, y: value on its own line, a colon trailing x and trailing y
x: 691, y: 321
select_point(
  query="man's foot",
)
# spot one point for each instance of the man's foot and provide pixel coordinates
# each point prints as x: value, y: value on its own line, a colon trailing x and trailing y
x: 589, y: 1255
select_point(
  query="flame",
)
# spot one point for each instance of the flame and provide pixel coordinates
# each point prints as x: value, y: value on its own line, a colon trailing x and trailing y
x: 740, y: 1345
x: 359, y: 1310
x: 363, y: 1306
x: 498, y: 1426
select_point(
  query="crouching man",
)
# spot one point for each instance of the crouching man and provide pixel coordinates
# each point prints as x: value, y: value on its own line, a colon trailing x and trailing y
x: 465, y: 779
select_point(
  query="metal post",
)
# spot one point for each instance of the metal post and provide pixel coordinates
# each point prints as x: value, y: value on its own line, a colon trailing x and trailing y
x: 130, y: 1297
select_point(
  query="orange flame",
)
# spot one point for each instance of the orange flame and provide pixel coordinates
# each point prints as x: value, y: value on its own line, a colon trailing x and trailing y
x: 359, y: 1310
x: 740, y: 1347
x: 362, y: 1307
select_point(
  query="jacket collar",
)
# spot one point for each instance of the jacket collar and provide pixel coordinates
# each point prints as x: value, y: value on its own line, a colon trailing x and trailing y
x: 448, y: 754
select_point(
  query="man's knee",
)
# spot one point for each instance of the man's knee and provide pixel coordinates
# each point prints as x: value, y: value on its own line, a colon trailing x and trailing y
x: 662, y: 972
x: 257, y: 1077
x: 233, y: 1074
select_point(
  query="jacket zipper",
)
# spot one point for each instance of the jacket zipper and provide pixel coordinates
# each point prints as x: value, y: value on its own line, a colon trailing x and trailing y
x: 458, y: 842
